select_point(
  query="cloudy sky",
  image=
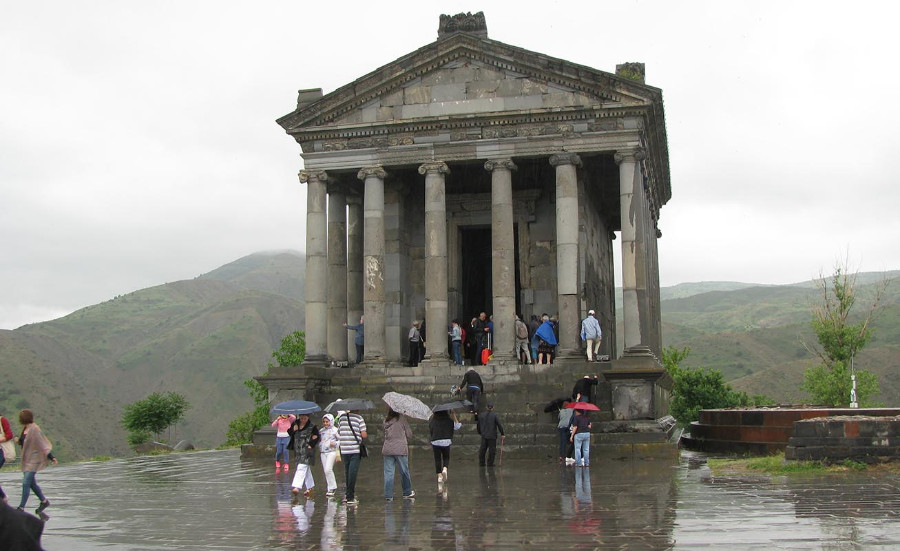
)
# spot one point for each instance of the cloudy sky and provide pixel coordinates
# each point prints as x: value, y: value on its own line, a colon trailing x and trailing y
x: 138, y: 142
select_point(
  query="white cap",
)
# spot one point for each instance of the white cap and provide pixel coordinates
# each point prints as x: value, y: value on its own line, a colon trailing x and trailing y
x: 590, y: 312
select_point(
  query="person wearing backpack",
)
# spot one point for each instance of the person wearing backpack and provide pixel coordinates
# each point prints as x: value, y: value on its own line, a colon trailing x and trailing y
x: 523, y: 348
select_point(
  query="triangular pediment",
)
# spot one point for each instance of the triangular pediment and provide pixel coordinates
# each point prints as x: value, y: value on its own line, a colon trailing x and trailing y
x: 463, y: 76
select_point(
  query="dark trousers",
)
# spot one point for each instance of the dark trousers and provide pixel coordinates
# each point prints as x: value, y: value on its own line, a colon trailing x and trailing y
x: 359, y: 353
x: 563, y: 442
x: 489, y: 446
x: 414, y: 353
x: 472, y: 395
x: 351, y: 469
x: 441, y: 458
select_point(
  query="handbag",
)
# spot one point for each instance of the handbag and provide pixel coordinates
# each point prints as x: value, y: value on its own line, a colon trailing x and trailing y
x: 9, y: 450
x: 363, y: 452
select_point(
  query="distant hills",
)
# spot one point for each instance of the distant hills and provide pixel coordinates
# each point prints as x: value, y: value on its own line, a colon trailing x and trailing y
x: 203, y: 337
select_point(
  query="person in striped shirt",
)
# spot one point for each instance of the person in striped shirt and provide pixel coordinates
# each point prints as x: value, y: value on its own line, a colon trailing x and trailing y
x: 351, y: 433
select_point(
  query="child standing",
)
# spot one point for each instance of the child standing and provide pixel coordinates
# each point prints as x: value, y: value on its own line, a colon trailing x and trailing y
x: 282, y: 423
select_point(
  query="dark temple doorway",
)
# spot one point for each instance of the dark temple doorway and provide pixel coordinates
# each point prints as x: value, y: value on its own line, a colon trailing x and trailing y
x: 477, y: 288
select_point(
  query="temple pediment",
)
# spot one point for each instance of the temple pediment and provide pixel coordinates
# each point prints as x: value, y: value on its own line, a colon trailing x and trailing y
x: 462, y: 77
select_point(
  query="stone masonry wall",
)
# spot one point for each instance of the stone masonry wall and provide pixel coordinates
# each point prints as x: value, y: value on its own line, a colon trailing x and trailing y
x: 834, y: 439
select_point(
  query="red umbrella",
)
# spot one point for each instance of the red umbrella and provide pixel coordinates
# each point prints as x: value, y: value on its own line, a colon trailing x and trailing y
x: 586, y: 406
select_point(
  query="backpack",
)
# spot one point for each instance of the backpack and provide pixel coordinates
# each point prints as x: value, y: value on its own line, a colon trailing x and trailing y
x: 521, y: 330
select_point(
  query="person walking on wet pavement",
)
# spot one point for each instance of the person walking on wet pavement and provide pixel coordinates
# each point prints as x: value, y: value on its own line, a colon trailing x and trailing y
x: 352, y: 432
x: 441, y: 428
x: 328, y: 452
x: 581, y: 437
x: 360, y: 339
x: 304, y: 438
x: 36, y: 455
x: 488, y: 427
x: 395, y: 453
x: 584, y: 388
x: 564, y: 427
x: 282, y: 438
x: 472, y: 384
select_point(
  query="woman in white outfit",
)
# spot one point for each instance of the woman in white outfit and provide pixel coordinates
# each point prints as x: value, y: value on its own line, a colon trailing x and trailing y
x: 328, y: 451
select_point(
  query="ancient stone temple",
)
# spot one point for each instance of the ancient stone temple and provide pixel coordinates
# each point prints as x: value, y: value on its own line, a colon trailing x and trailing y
x: 473, y: 176
x: 470, y: 176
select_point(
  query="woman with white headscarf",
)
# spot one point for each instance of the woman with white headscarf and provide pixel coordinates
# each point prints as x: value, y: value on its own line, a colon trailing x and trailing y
x: 328, y: 451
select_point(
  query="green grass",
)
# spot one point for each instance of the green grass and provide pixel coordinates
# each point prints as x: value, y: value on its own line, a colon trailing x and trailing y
x: 777, y: 465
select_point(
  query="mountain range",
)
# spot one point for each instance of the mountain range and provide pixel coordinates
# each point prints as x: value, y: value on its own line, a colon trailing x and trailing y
x: 203, y: 337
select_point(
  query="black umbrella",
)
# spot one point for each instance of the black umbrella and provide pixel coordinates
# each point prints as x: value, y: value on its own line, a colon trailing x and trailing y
x: 556, y: 404
x: 350, y: 404
x: 452, y: 405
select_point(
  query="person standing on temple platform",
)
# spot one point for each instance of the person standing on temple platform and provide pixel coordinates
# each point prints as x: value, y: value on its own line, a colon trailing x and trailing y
x: 456, y: 337
x: 522, y: 349
x: 423, y: 340
x: 532, y: 329
x: 478, y: 329
x: 592, y: 335
x: 584, y: 389
x: 546, y: 340
x: 360, y: 339
x: 414, y: 338
x: 471, y: 343
x: 488, y: 427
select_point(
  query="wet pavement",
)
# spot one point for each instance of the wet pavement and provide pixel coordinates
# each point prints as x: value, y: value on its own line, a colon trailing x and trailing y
x: 215, y: 500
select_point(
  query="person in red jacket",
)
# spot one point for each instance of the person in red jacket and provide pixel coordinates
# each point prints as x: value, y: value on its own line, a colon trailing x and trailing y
x: 6, y: 435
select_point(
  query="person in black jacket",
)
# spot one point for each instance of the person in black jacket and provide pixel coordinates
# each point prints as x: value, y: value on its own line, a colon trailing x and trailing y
x: 440, y: 430
x: 471, y: 383
x: 488, y: 427
x: 584, y: 389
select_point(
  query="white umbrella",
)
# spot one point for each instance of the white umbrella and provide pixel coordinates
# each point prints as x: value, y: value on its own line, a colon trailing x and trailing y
x: 407, y: 405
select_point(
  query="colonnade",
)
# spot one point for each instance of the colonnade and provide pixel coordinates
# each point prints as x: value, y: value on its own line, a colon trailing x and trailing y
x: 345, y: 252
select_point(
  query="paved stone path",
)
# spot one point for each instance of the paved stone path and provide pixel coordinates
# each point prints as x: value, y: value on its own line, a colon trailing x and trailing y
x: 214, y: 500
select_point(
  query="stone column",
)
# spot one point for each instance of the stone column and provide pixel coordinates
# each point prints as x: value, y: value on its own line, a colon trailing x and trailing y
x: 503, y: 258
x: 315, y: 286
x: 436, y: 321
x: 337, y: 272
x: 567, y: 257
x: 354, y: 266
x: 631, y: 194
x: 373, y: 261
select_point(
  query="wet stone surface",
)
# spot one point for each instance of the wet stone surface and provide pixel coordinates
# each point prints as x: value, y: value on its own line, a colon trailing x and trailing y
x: 214, y: 500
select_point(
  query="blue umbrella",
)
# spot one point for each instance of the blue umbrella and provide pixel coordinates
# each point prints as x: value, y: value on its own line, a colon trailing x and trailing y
x: 297, y: 407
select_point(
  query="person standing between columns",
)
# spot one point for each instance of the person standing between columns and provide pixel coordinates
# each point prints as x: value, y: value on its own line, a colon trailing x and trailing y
x: 488, y: 427
x: 414, y: 338
x: 592, y: 334
x: 360, y: 339
x: 456, y: 341
x: 523, y: 349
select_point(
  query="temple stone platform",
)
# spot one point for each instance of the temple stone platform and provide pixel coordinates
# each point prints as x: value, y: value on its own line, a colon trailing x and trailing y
x: 632, y: 395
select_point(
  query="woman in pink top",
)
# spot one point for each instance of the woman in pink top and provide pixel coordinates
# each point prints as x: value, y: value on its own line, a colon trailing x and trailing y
x: 282, y: 423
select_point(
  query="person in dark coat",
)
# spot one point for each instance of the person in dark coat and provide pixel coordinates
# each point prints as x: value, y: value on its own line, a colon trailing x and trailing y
x: 584, y: 389
x: 471, y: 383
x: 19, y: 531
x: 488, y: 427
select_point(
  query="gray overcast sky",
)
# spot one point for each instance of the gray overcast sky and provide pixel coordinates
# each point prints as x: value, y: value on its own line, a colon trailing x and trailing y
x: 138, y: 142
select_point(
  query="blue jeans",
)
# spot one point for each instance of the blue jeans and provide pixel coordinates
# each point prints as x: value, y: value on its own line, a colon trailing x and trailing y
x: 281, y: 448
x: 456, y: 354
x: 29, y: 484
x: 351, y: 468
x: 401, y: 461
x: 582, y: 449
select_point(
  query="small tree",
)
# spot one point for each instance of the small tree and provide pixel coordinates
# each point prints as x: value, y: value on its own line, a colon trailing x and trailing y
x: 240, y: 430
x: 153, y: 414
x: 697, y: 389
x: 839, y: 341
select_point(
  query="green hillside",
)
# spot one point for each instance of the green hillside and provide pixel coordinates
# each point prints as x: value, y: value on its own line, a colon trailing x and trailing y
x: 201, y: 337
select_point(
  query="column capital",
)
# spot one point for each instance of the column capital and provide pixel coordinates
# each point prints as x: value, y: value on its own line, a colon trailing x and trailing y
x: 437, y: 166
x: 494, y: 164
x: 629, y: 155
x: 565, y: 159
x: 312, y: 175
x: 366, y: 171
x: 339, y: 186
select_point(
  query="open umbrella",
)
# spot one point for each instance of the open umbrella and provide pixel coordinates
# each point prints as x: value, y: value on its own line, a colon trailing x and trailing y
x: 297, y: 407
x: 349, y: 404
x: 585, y: 406
x: 407, y: 405
x: 555, y: 404
x: 452, y: 405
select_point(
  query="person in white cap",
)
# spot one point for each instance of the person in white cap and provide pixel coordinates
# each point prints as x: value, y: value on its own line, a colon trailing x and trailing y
x: 591, y: 333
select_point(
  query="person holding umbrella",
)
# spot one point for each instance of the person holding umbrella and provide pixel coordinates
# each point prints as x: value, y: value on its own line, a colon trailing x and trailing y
x: 581, y: 436
x: 395, y: 453
x: 304, y: 438
x: 282, y: 438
